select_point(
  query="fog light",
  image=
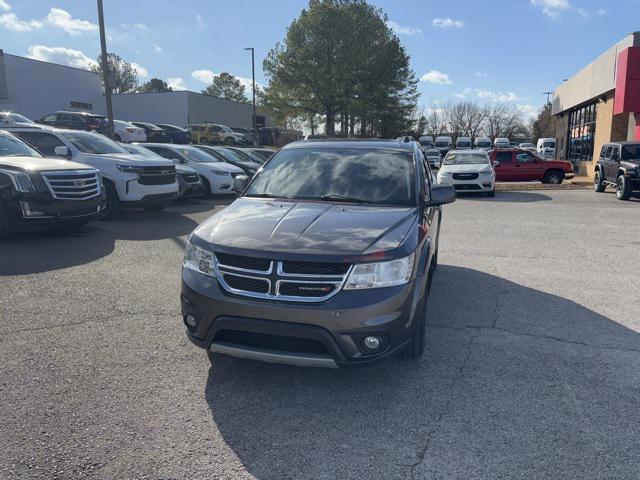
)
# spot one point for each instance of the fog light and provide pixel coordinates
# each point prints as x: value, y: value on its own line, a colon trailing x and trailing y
x: 27, y: 212
x: 372, y: 343
x: 191, y: 320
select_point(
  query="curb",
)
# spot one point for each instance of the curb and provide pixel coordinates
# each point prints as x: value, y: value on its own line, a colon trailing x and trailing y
x: 506, y: 187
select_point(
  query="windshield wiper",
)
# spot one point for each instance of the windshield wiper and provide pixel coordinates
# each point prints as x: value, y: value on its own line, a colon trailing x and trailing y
x: 335, y: 197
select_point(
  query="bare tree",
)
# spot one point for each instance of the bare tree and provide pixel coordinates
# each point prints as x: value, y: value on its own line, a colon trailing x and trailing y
x: 437, y: 120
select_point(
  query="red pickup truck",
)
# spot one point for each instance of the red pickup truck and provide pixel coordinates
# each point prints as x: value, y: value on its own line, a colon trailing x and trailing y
x: 517, y: 165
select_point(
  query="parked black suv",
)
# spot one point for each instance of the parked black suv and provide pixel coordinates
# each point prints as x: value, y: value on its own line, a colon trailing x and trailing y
x: 619, y: 167
x: 325, y: 259
x: 76, y: 121
x: 37, y: 192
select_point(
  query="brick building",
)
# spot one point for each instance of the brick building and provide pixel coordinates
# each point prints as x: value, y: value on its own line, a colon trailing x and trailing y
x: 599, y: 104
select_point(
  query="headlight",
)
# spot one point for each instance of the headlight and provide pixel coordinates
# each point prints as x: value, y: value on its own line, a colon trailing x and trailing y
x: 382, y: 274
x: 444, y: 174
x: 488, y: 171
x: 220, y: 172
x: 23, y: 183
x: 198, y: 259
x: 129, y: 168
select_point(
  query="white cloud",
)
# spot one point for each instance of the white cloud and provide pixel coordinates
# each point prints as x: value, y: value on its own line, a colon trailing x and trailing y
x: 140, y: 70
x: 480, y: 75
x: 552, y: 8
x: 601, y: 11
x: 489, y: 95
x: 135, y: 26
x: 434, y: 76
x: 206, y: 77
x: 200, y: 22
x: 4, y: 6
x: 10, y: 21
x: 403, y: 29
x: 447, y: 22
x: 157, y: 48
x: 64, y: 56
x: 176, y: 83
x: 530, y: 112
x: 62, y: 19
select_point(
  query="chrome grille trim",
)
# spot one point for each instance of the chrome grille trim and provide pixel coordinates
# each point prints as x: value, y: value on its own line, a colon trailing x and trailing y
x: 276, y: 274
x: 73, y: 184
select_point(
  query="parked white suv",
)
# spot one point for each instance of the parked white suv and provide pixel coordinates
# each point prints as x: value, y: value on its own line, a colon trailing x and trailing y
x: 217, y: 176
x: 128, y: 182
x: 468, y: 170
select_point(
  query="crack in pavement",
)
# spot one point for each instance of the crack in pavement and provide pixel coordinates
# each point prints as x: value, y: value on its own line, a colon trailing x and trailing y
x: 534, y: 335
x: 422, y: 453
x: 105, y: 318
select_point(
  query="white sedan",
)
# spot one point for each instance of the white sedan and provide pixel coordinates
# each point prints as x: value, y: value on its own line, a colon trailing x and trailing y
x: 468, y: 170
x: 127, y: 132
x: 217, y: 176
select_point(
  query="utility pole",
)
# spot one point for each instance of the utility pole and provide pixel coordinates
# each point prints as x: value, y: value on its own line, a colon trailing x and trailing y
x: 253, y: 85
x: 548, y: 94
x: 105, y: 70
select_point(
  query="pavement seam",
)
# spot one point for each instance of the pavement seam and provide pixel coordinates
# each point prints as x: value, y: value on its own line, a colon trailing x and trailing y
x: 422, y: 453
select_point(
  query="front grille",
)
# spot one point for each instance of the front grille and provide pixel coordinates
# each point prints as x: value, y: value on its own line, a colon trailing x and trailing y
x: 272, y: 342
x: 314, y: 268
x: 157, y: 175
x: 465, y: 176
x: 247, y: 284
x: 308, y: 290
x: 280, y: 280
x: 246, y: 263
x: 73, y: 184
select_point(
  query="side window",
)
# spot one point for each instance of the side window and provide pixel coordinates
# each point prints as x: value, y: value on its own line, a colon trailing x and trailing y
x: 46, y: 143
x: 29, y: 137
x: 49, y: 118
x: 525, y: 157
x: 603, y: 152
x: 615, y: 153
x: 76, y: 119
x: 504, y: 157
x: 63, y: 117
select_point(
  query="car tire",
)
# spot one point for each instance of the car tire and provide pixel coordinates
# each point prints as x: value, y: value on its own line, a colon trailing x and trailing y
x: 492, y: 193
x: 415, y: 347
x: 206, y: 186
x: 230, y: 141
x: 117, y: 138
x: 203, y: 141
x: 4, y: 224
x: 598, y: 184
x: 553, y: 177
x: 624, y: 188
x: 112, y: 208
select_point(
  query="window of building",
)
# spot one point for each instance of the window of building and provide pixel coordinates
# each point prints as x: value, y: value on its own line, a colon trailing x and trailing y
x: 582, y: 130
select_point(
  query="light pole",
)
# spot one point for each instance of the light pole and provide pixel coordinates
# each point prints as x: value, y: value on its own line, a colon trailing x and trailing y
x: 253, y: 88
x: 105, y: 70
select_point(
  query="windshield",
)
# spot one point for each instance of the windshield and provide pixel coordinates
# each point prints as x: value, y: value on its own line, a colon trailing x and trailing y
x: 432, y: 153
x: 93, y: 143
x: 442, y: 144
x: 231, y: 156
x: 15, y: 118
x: 631, y: 152
x: 10, y: 146
x: 483, y: 143
x: 549, y: 144
x: 225, y: 128
x: 139, y: 150
x: 465, y: 159
x: 354, y: 174
x: 122, y: 123
x: 248, y: 156
x: 464, y: 144
x: 197, y: 155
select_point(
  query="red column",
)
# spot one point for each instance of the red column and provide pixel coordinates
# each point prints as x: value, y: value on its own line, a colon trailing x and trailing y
x: 637, y: 115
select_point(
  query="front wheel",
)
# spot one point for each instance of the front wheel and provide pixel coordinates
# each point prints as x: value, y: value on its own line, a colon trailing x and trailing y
x: 206, y: 187
x: 492, y: 193
x: 4, y: 224
x: 112, y: 206
x: 598, y: 184
x: 415, y: 347
x: 553, y: 177
x: 230, y: 141
x: 623, y: 188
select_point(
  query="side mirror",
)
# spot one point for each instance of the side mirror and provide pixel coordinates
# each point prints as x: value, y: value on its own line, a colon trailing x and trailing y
x: 240, y: 183
x: 495, y: 163
x: 61, y: 151
x: 441, y: 194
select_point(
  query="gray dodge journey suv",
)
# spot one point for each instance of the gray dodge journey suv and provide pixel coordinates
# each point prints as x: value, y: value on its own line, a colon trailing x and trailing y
x: 324, y: 260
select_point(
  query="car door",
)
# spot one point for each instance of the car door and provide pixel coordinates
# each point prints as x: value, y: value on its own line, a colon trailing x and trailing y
x: 504, y: 169
x: 526, y: 167
x: 65, y: 120
x: 613, y: 163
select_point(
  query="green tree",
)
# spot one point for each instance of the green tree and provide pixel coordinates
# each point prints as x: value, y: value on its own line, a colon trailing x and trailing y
x: 123, y: 77
x: 339, y: 60
x: 155, y: 85
x: 545, y: 125
x: 227, y: 86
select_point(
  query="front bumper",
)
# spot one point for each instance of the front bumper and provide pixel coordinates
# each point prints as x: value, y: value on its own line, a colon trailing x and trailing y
x: 481, y: 184
x: 132, y: 191
x: 338, y: 324
x: 52, y: 213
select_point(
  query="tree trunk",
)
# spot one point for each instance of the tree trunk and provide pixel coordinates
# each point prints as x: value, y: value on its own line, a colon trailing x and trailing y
x: 330, y: 125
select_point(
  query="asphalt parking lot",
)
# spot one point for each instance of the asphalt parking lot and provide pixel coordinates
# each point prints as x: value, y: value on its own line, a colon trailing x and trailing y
x: 532, y: 367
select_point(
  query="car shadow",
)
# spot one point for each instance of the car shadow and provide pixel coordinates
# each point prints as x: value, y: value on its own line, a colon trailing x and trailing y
x: 506, y: 197
x: 500, y: 361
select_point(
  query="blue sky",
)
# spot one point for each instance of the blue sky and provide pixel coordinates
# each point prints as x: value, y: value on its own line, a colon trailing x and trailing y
x: 500, y: 51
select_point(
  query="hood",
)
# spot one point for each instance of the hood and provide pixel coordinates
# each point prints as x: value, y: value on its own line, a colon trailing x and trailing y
x: 36, y: 164
x: 132, y: 159
x: 222, y: 166
x: 307, y: 228
x: 464, y: 168
x: 184, y: 170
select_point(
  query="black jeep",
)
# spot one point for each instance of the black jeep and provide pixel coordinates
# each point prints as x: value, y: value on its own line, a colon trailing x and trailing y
x: 619, y: 167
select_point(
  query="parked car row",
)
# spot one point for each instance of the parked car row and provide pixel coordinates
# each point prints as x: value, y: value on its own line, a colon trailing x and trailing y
x: 147, y: 175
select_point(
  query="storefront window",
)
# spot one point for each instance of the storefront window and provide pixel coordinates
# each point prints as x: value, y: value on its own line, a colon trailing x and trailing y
x: 582, y: 130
